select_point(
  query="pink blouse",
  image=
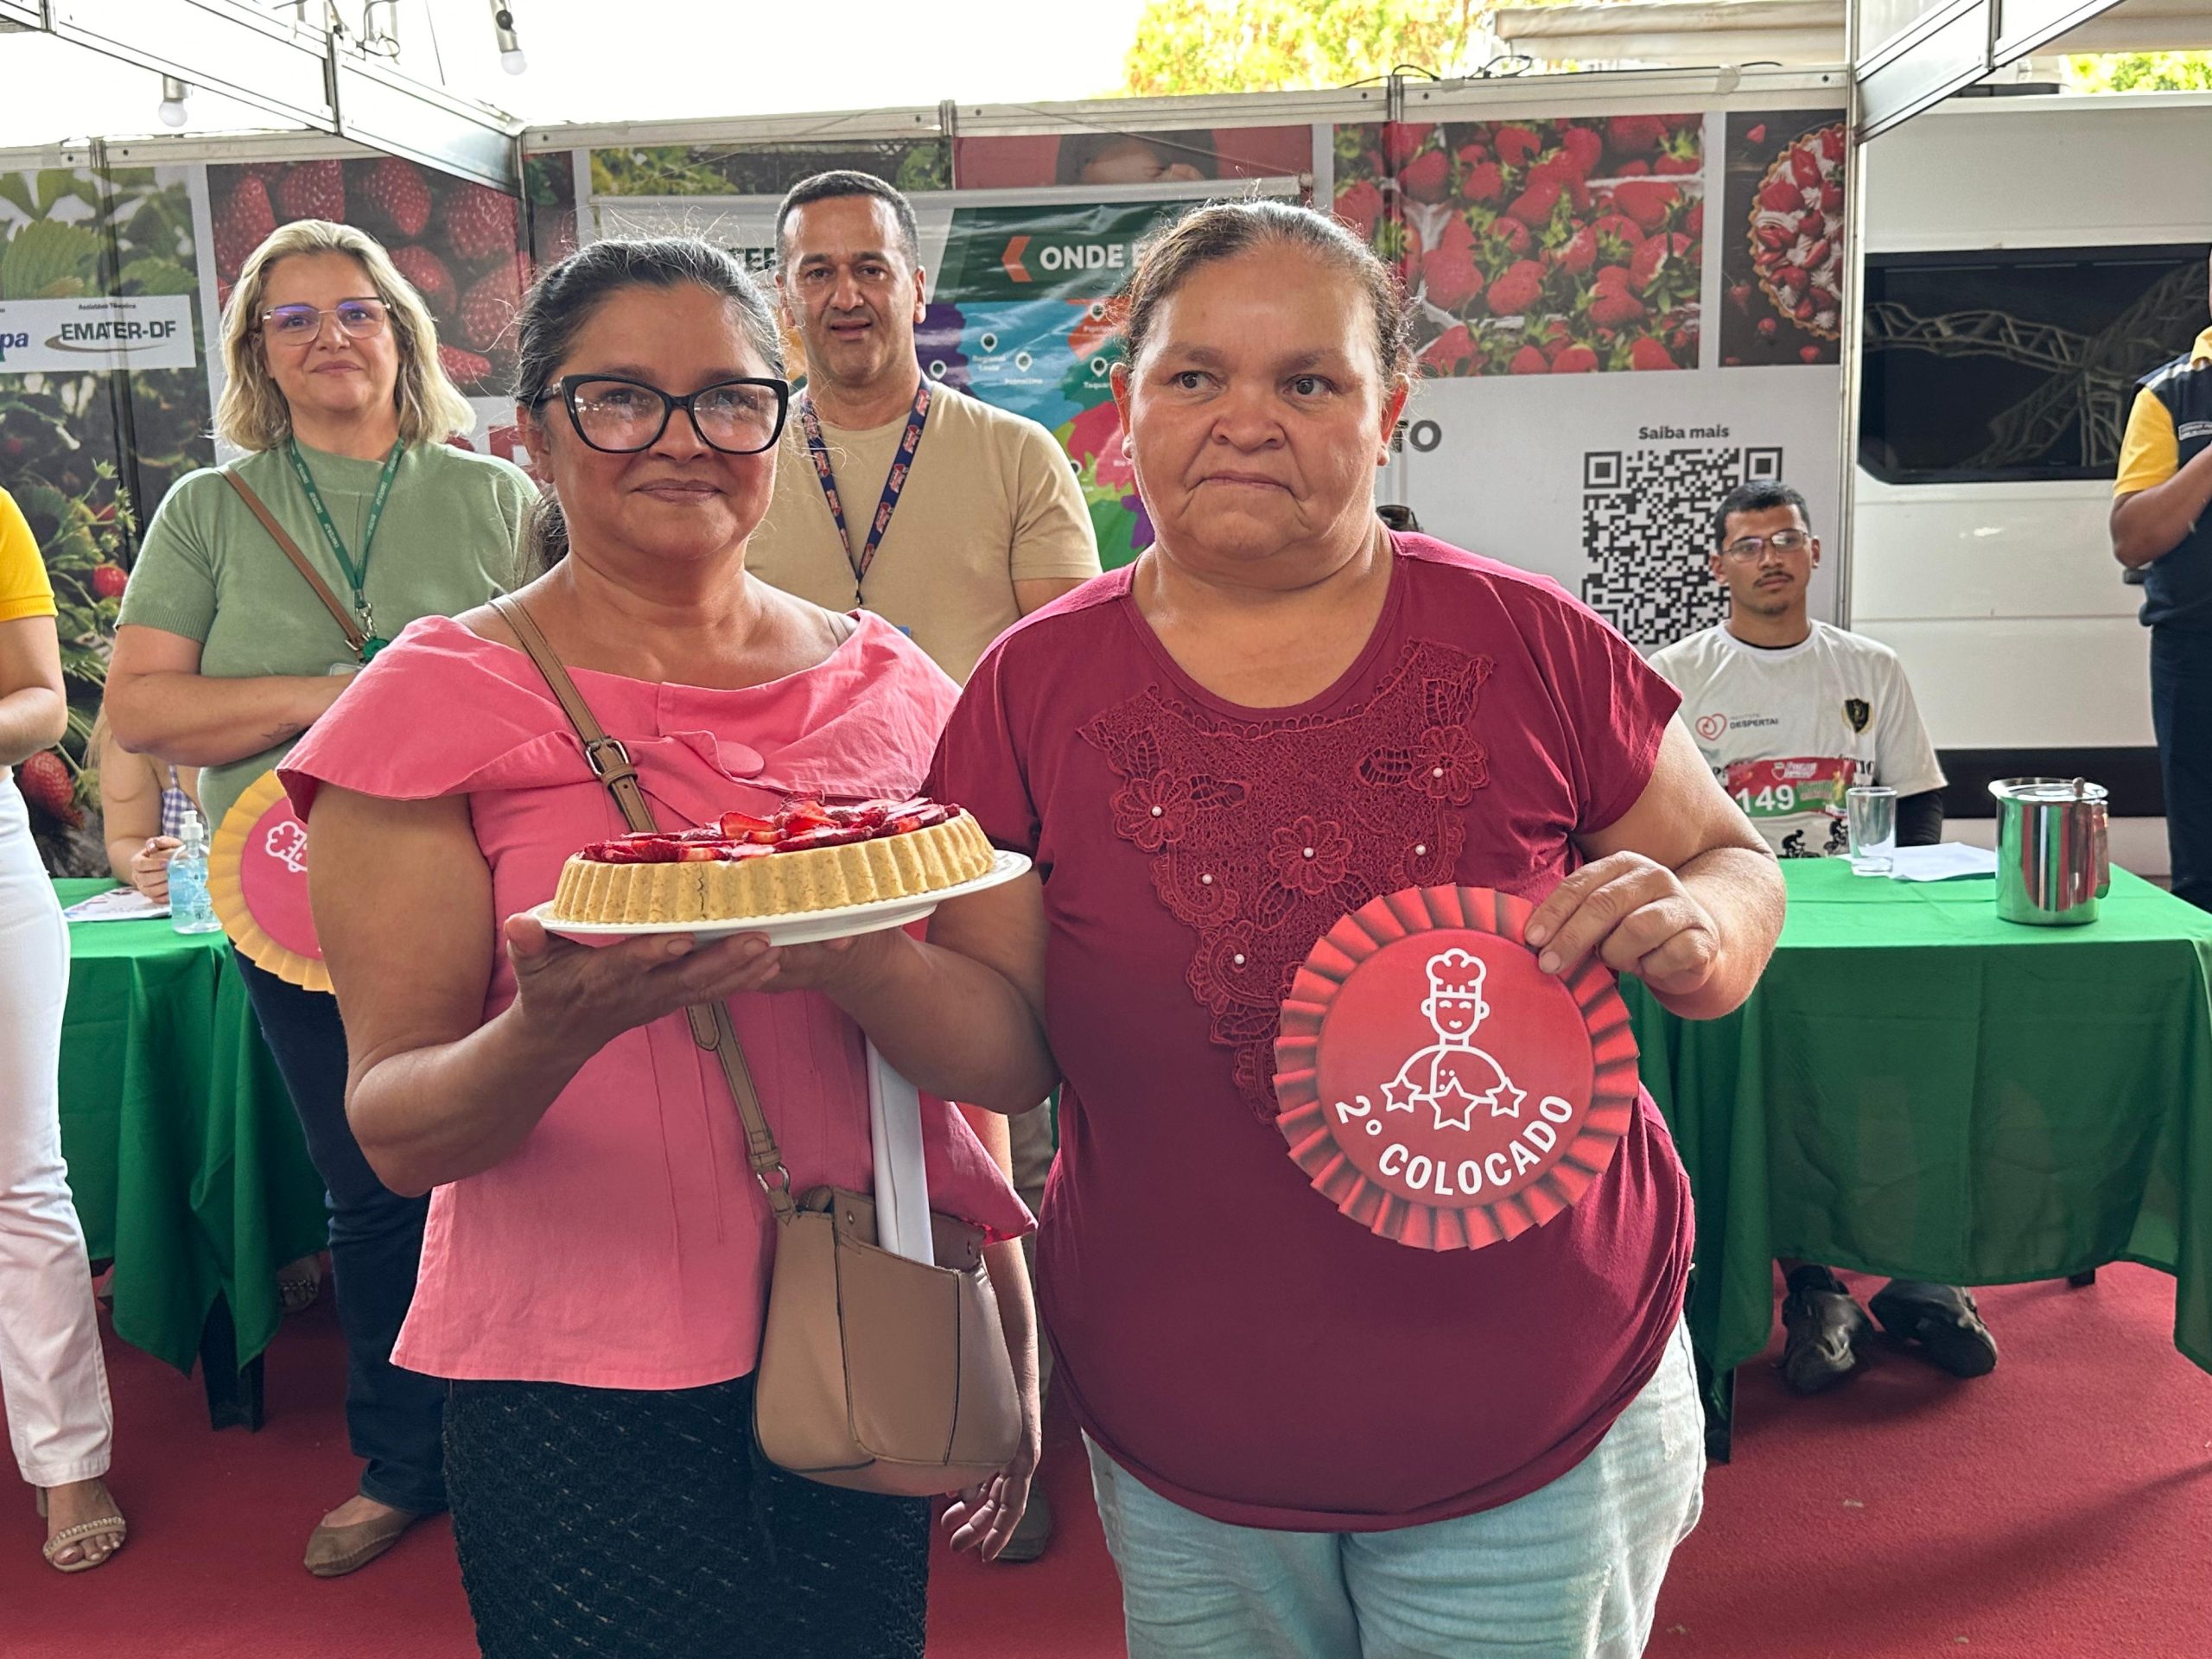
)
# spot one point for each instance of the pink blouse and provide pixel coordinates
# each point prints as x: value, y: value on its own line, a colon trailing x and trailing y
x: 625, y: 1244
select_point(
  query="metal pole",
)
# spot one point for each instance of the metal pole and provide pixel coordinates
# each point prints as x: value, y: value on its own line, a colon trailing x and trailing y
x: 1850, y: 324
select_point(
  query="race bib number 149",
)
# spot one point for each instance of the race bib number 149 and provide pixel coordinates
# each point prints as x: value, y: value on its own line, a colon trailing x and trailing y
x: 1784, y: 789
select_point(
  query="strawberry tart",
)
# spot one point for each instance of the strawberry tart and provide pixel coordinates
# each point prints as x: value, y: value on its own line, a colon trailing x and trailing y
x: 808, y: 857
x: 1797, y: 231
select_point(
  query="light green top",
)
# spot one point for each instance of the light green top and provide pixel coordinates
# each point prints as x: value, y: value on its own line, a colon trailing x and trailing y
x: 209, y: 571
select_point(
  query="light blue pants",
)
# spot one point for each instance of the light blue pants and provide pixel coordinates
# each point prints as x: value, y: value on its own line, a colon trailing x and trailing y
x: 1572, y: 1571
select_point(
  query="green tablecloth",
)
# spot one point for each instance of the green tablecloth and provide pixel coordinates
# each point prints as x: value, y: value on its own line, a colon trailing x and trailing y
x: 184, y: 1154
x: 1920, y: 1089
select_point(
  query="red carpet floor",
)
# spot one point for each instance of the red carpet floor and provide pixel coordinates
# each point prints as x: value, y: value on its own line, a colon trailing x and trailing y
x: 2060, y: 1509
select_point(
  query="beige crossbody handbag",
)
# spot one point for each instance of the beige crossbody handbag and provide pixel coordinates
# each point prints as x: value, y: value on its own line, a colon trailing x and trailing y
x: 877, y: 1372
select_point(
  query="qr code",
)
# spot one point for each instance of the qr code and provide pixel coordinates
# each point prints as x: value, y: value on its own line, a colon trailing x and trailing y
x: 1647, y: 529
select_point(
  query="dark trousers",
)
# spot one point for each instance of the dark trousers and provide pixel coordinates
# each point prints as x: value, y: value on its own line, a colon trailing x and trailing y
x: 620, y: 1523
x: 393, y: 1417
x: 2181, y: 713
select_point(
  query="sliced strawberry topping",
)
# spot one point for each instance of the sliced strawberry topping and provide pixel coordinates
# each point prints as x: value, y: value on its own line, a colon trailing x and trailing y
x: 830, y: 835
x: 918, y: 815
x: 868, y: 815
x: 743, y: 826
x: 801, y: 827
x: 635, y: 849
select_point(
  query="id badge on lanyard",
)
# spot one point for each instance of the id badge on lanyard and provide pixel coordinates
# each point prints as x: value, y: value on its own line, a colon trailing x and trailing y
x: 902, y: 465
x: 357, y: 574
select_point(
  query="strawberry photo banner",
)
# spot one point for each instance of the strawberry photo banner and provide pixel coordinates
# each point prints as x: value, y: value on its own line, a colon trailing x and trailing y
x: 1532, y: 246
x: 1619, y: 318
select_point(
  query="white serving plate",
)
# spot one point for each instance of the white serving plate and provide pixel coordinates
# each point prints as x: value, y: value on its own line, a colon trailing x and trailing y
x: 807, y: 927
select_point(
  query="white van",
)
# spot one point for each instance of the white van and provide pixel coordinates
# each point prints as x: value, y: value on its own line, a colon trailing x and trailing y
x: 2027, y: 257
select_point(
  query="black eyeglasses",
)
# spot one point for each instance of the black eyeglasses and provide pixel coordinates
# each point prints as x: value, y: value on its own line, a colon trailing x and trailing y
x: 619, y: 417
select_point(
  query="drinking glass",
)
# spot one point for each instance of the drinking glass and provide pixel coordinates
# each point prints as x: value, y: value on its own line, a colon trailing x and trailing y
x: 1871, y: 814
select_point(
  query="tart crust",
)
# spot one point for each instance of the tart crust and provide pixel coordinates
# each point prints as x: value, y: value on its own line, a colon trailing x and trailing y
x: 776, y: 883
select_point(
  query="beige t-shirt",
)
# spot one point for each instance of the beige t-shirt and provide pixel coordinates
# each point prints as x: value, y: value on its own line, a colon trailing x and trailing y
x: 991, y: 501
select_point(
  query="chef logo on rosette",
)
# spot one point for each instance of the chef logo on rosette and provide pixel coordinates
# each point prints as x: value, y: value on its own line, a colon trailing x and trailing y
x: 1437, y: 1087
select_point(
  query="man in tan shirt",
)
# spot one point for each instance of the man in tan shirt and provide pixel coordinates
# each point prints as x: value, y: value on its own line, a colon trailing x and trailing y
x: 984, y: 524
x: 988, y: 525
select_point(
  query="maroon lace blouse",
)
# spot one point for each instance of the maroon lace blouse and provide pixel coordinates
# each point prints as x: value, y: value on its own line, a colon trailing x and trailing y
x: 1224, y: 1333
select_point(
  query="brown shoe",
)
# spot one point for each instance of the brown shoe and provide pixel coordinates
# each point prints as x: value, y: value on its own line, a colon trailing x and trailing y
x: 333, y: 1552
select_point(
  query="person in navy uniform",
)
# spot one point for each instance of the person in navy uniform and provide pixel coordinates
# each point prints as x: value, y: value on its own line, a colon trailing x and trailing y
x: 2158, y: 528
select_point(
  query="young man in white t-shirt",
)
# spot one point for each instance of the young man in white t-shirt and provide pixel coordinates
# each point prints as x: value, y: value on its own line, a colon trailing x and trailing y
x: 1789, y: 712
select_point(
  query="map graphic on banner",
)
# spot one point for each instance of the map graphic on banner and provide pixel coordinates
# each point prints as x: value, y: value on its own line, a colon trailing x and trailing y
x: 1023, y: 316
x: 1020, y: 315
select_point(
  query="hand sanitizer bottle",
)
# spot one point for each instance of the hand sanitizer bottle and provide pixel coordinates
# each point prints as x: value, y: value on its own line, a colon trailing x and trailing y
x: 191, y: 910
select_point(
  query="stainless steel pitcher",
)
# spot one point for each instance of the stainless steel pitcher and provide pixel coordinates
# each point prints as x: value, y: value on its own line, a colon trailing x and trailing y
x: 2052, y: 862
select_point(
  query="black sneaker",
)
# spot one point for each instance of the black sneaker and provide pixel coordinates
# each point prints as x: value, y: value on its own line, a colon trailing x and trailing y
x: 1033, y: 1532
x: 1824, y: 1329
x: 1942, y: 1320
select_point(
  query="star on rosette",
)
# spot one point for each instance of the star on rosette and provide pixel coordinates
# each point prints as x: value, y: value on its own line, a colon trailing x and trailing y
x: 1462, y: 1119
x: 1445, y: 1198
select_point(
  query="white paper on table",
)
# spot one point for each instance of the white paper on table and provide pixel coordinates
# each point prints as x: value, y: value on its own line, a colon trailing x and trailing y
x: 1944, y: 861
x: 116, y: 904
x: 902, y: 1184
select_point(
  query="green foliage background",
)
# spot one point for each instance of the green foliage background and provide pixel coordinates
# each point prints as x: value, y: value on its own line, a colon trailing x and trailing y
x: 1272, y: 46
x: 764, y: 170
x: 88, y: 454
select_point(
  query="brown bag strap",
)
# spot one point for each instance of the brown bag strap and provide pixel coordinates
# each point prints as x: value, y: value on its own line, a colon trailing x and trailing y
x: 347, y: 624
x: 617, y: 773
x: 710, y: 1022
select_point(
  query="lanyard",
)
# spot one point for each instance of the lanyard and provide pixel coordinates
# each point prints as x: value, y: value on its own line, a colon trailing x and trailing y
x: 356, y: 573
x: 901, y: 464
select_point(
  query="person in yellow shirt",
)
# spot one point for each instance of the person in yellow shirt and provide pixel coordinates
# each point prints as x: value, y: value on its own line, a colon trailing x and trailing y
x: 2158, y: 527
x: 52, y: 1377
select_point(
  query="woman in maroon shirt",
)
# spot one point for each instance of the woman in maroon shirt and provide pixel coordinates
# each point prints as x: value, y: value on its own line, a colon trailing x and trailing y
x: 1308, y: 1440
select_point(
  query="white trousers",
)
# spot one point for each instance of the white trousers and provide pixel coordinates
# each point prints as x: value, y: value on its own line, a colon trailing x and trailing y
x: 51, y: 1379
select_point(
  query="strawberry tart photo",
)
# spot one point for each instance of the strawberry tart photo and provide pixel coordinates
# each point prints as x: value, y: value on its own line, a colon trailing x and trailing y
x: 1567, y: 247
x: 1781, y: 245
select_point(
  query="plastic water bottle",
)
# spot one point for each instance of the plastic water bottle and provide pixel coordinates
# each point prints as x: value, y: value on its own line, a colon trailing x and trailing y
x: 191, y: 910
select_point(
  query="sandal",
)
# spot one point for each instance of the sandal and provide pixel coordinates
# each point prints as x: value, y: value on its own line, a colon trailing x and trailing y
x: 68, y: 1535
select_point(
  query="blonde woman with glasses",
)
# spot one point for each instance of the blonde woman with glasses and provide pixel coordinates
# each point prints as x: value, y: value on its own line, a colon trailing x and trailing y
x: 225, y: 654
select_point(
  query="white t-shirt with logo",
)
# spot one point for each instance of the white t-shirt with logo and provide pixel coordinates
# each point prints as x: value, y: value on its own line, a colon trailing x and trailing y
x: 1787, y: 730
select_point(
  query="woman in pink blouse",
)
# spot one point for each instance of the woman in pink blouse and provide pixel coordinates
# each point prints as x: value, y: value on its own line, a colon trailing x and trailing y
x: 594, y: 1268
x: 1308, y: 1440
